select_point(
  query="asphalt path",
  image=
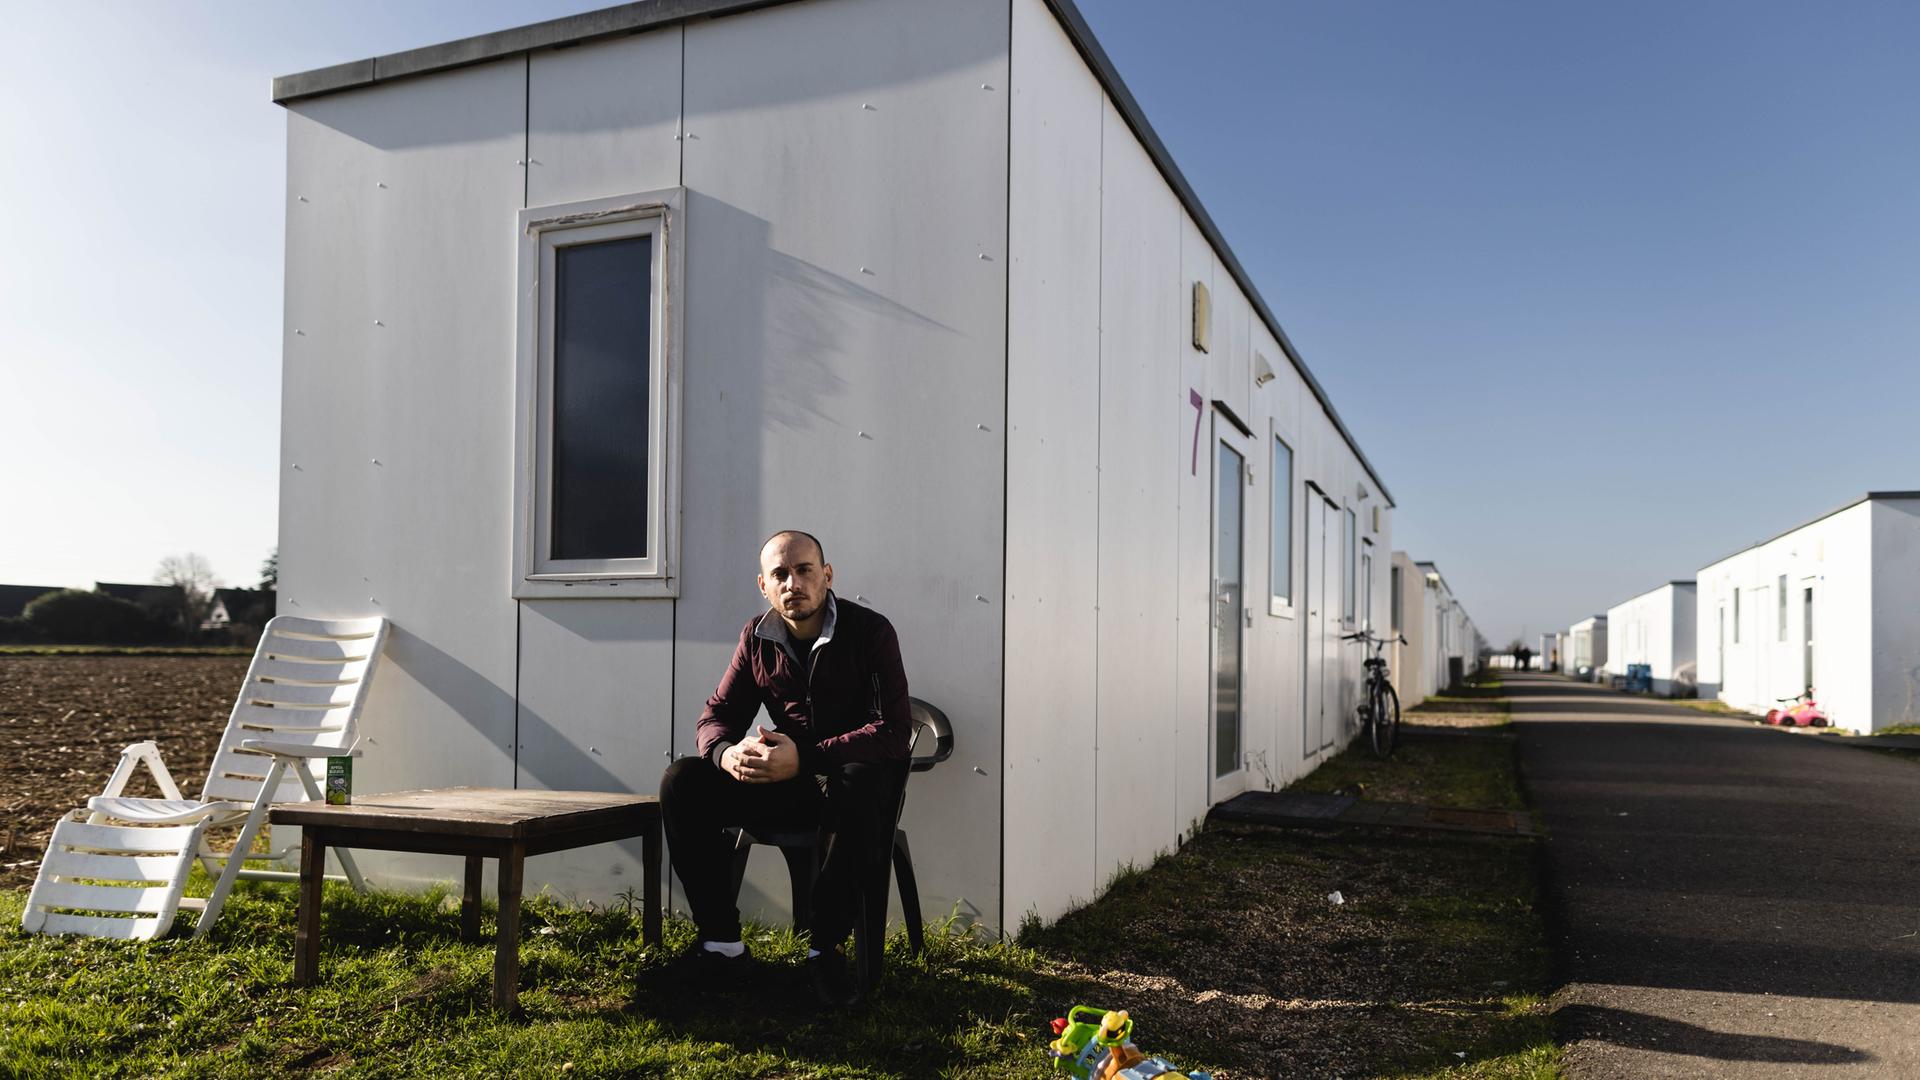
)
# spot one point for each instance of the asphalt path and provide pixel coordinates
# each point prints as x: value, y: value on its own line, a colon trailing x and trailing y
x: 1723, y: 899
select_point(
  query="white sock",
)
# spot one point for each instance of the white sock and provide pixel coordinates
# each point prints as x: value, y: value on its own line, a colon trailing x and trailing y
x: 733, y: 949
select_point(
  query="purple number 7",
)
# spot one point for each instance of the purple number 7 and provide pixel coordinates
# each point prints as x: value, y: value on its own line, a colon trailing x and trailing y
x: 1199, y: 414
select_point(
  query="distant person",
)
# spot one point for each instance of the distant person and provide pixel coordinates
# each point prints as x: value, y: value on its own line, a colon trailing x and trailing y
x: 833, y: 757
x: 1525, y: 656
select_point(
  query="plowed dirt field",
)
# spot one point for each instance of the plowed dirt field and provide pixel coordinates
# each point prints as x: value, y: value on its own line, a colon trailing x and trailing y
x: 64, y: 720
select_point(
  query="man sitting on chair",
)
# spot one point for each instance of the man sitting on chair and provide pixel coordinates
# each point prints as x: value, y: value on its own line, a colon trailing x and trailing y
x: 832, y: 756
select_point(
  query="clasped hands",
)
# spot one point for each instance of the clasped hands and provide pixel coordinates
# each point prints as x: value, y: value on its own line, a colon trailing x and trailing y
x: 764, y: 757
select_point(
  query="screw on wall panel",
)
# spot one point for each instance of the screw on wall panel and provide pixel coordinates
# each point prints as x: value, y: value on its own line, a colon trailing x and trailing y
x: 593, y: 749
x: 860, y: 598
x: 378, y: 184
x: 302, y: 198
x: 377, y: 322
x: 376, y: 461
x: 868, y: 106
x: 980, y: 598
x: 371, y: 600
x: 986, y: 257
x: 985, y: 86
x: 864, y: 270
x: 981, y: 427
x: 299, y: 333
x: 866, y: 436
x: 980, y: 770
x: 297, y: 468
x: 676, y: 138
x: 520, y: 161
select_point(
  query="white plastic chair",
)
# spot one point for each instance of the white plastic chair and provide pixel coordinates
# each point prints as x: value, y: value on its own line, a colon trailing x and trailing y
x: 299, y: 706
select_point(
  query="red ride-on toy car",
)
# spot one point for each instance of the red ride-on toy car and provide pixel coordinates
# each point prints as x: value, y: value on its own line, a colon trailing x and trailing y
x: 1803, y: 713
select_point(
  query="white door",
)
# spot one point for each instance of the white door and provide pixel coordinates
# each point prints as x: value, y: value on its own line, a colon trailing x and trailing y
x: 1317, y: 627
x: 1230, y: 615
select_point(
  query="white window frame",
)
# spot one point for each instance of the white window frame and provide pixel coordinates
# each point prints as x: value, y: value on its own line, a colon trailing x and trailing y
x: 1366, y: 584
x: 1350, y: 566
x: 543, y: 230
x: 1281, y: 488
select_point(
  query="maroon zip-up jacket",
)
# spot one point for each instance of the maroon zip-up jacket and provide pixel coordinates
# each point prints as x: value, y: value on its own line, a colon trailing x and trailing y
x: 842, y: 703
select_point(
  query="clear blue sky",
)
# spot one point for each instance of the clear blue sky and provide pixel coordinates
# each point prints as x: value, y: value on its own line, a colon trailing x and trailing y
x: 1605, y: 291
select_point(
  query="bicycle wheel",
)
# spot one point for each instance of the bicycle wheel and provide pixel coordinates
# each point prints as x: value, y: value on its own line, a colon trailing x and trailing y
x: 1386, y: 719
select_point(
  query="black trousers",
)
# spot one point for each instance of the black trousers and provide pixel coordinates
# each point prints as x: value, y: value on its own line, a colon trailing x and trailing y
x: 854, y: 808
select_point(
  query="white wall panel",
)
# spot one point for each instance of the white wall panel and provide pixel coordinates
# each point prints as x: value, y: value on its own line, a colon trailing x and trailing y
x: 399, y: 350
x: 846, y: 349
x: 1145, y: 442
x: 1895, y: 632
x: 601, y: 119
x: 596, y: 673
x: 593, y: 716
x: 1193, y: 661
x: 1231, y: 342
x: 1053, y: 438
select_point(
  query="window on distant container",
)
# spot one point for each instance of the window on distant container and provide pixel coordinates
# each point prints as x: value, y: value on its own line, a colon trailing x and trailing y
x: 1736, y: 616
x: 1783, y: 608
x: 594, y: 491
x: 1366, y: 585
x: 1281, y: 574
x: 1349, y: 558
x: 1393, y: 599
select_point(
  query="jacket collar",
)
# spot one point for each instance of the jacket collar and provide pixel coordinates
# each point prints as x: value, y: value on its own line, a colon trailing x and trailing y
x: 773, y: 628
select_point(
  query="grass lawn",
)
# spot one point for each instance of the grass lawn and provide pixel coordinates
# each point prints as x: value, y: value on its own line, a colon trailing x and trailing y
x: 1431, y: 771
x: 1710, y: 705
x: 1229, y: 954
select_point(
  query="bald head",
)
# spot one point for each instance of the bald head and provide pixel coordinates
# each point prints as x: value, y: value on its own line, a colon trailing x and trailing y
x: 795, y: 577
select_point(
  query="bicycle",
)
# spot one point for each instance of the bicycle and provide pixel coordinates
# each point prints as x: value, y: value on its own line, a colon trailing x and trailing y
x: 1380, y: 712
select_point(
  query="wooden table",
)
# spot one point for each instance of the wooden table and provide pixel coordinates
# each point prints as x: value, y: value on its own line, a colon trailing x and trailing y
x: 479, y: 823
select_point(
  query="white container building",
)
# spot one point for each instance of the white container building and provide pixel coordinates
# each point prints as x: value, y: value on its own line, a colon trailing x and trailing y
x: 914, y: 275
x: 1445, y: 639
x: 1407, y: 661
x: 1586, y: 652
x: 1833, y: 604
x: 1655, y: 628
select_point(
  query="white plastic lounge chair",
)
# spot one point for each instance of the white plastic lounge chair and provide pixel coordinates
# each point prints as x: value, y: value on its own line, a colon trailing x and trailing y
x: 299, y: 706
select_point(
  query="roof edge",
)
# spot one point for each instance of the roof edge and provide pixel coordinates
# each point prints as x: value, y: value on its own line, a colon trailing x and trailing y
x: 1871, y: 496
x: 643, y: 15
x: 630, y: 18
x: 1103, y: 69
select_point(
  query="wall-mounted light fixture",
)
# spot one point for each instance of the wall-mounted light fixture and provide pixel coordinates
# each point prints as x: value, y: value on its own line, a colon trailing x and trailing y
x: 1262, y: 371
x: 1202, y: 317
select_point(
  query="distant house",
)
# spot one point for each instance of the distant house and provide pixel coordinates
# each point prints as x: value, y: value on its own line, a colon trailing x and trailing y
x: 15, y: 598
x: 250, y: 606
x: 165, y: 602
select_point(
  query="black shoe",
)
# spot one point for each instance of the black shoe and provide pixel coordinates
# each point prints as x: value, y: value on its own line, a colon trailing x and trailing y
x: 701, y: 968
x: 833, y: 981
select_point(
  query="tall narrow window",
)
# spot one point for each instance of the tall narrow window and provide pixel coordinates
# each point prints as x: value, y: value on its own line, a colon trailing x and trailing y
x: 1350, y: 558
x: 601, y: 381
x: 1782, y: 636
x: 1393, y: 601
x: 594, y: 493
x: 1366, y: 585
x: 1281, y: 541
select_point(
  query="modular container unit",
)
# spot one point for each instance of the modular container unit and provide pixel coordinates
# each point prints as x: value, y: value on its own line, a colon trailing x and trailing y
x: 1833, y: 604
x: 1655, y: 628
x: 913, y: 275
x: 1587, y: 648
x: 1449, y: 640
x: 1407, y: 593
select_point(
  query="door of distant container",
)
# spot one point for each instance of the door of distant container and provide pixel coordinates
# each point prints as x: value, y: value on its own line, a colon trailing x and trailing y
x: 1230, y: 616
x: 1318, y: 629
